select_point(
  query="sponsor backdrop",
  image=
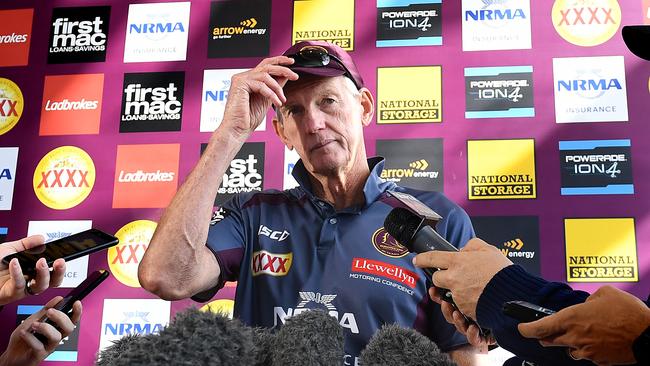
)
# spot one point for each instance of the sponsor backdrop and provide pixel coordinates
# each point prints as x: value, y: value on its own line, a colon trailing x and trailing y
x: 530, y: 115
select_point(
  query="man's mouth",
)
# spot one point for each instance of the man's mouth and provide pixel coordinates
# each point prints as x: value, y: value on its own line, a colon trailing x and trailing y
x: 322, y: 144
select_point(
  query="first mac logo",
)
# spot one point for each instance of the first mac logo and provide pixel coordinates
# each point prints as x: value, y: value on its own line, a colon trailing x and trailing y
x: 78, y: 34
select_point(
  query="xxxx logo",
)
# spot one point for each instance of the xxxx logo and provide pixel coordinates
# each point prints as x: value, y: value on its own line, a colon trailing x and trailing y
x: 125, y: 257
x: 588, y: 22
x: 587, y: 15
x: 129, y: 253
x: 64, y: 177
x: 11, y: 105
x: 271, y: 264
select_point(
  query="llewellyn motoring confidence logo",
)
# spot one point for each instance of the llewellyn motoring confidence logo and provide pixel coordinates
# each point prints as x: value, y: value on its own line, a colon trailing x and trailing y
x: 64, y: 177
x: 8, y: 160
x: 125, y: 257
x: 516, y: 236
x: 239, y: 29
x: 11, y: 105
x: 152, y: 102
x: 496, y: 92
x: 409, y: 23
x: 157, y: 32
x: 501, y: 169
x: 590, y: 89
x: 596, y: 167
x: 324, y: 20
x: 413, y: 163
x: 78, y: 34
x: 601, y: 250
x: 496, y: 25
x: 245, y: 174
x: 586, y: 22
x: 15, y: 36
x: 409, y: 94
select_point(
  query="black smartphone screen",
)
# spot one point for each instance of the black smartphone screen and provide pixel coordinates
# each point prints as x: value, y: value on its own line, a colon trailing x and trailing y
x: 68, y: 248
x: 524, y: 311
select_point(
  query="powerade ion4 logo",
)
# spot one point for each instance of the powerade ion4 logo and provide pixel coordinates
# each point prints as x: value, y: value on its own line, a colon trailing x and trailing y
x: 64, y: 177
x: 586, y: 22
x: 124, y: 258
x: 409, y: 24
x: 11, y: 105
x: 496, y: 92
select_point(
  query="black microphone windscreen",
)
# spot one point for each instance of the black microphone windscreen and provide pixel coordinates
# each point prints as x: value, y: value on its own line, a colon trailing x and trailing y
x: 395, y: 345
x: 312, y: 337
x: 402, y: 225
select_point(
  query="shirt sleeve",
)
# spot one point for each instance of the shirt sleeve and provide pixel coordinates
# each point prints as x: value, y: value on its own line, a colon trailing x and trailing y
x: 226, y: 240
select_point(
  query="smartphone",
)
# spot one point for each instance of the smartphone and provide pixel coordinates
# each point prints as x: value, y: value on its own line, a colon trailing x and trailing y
x: 524, y: 311
x: 68, y: 248
x: 78, y: 293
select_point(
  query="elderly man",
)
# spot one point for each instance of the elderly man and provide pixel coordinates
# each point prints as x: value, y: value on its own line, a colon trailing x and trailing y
x: 321, y: 245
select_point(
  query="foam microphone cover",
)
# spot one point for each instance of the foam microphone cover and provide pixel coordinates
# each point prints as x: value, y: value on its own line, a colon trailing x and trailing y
x: 395, y: 345
x: 193, y: 338
x: 312, y: 337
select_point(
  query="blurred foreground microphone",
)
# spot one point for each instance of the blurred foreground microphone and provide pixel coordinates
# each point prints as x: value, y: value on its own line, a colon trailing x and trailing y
x: 395, y: 345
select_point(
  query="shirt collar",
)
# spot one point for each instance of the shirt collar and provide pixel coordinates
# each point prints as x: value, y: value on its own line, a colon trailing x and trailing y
x: 374, y: 187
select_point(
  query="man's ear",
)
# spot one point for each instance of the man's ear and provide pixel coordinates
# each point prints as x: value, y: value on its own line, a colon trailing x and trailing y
x: 368, y: 105
x: 278, y: 127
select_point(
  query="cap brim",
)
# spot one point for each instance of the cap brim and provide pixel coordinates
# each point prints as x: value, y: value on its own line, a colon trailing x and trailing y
x: 319, y: 71
x: 637, y: 39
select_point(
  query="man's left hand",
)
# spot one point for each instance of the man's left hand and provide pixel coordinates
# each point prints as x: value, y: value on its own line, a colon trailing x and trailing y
x: 602, y: 329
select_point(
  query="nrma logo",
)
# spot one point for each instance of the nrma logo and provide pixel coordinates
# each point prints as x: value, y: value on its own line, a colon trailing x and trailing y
x: 5, y: 174
x: 135, y: 322
x: 588, y: 88
x: 153, y: 28
x: 218, y: 95
x: 487, y: 13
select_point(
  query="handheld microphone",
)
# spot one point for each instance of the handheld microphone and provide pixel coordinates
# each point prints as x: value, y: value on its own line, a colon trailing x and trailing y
x: 395, y: 345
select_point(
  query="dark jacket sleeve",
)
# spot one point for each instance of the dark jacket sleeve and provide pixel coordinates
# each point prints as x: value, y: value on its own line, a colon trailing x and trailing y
x: 514, y: 283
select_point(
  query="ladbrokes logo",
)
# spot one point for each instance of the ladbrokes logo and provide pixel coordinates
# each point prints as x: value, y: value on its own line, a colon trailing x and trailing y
x: 145, y: 175
x: 64, y: 177
x: 245, y: 174
x: 8, y: 160
x: 492, y: 92
x: 78, y: 34
x: 11, y: 105
x: 409, y: 94
x: 405, y: 166
x: 72, y: 104
x: 387, y: 245
x: 596, y: 167
x: 125, y: 257
x: 325, y: 20
x: 157, y: 32
x: 394, y: 276
x: 586, y: 22
x: 501, y: 169
x: 15, y: 36
x: 239, y: 29
x: 271, y: 263
x: 122, y: 317
x: 590, y: 89
x: 309, y: 301
x: 409, y: 24
x: 152, y: 102
x: 601, y: 250
x: 496, y: 25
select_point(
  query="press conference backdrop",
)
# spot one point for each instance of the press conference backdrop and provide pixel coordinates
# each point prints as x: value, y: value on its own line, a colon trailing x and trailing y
x: 530, y: 115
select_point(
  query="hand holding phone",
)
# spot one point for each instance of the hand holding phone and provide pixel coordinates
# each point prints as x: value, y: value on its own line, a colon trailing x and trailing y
x: 524, y: 311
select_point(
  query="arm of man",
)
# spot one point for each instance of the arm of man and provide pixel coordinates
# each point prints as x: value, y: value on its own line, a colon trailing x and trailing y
x: 177, y: 263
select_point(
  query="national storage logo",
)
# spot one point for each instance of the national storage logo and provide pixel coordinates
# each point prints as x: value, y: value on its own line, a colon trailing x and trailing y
x: 122, y: 317
x: 497, y: 92
x: 245, y: 173
x: 152, y: 102
x: 596, y: 167
x: 239, y: 29
x: 72, y: 104
x: 501, y: 169
x: 124, y: 258
x: 587, y: 22
x: 8, y: 161
x: 409, y: 94
x: 601, y: 250
x: 64, y: 177
x: 409, y: 23
x: 157, y: 32
x: 496, y: 25
x: 416, y: 163
x: 590, y: 89
x: 11, y: 105
x: 146, y: 176
x: 324, y: 20
x: 78, y: 34
x: 15, y: 36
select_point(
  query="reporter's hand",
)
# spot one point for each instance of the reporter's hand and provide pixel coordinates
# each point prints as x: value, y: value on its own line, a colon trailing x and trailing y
x: 464, y: 273
x: 602, y: 329
x: 25, y: 349
x: 13, y: 283
x: 252, y: 92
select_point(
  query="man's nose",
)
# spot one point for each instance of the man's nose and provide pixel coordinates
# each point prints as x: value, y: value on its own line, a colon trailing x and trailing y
x: 314, y: 120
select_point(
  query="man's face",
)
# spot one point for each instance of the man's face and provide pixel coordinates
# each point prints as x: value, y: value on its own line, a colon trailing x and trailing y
x: 323, y: 120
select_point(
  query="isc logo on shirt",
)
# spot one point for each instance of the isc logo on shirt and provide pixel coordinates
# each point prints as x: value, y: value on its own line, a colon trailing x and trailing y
x: 270, y: 263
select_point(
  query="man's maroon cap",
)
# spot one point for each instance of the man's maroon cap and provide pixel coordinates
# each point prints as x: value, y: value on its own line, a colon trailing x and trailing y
x: 331, y: 69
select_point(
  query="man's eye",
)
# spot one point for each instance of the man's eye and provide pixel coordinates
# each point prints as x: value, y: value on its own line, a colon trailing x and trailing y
x: 328, y: 101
